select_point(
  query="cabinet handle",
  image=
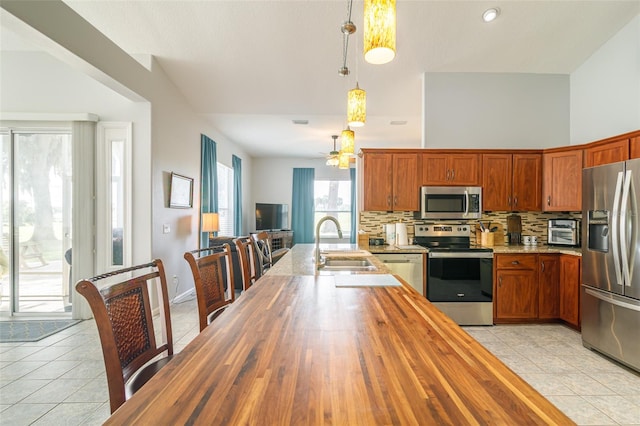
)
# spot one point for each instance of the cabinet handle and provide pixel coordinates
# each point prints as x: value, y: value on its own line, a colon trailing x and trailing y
x: 542, y: 266
x: 389, y: 200
x: 549, y: 200
x: 448, y: 173
x: 453, y: 174
x: 515, y: 201
x: 395, y: 200
x: 509, y: 200
x: 500, y: 282
x: 515, y: 262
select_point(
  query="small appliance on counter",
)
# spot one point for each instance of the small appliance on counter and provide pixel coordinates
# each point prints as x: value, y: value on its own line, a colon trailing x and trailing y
x: 563, y: 232
x: 376, y: 241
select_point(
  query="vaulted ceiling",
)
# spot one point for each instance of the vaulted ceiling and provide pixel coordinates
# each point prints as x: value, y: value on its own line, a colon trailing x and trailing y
x: 252, y: 67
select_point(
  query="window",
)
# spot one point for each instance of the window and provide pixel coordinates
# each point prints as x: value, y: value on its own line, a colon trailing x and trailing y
x: 225, y: 200
x: 333, y: 198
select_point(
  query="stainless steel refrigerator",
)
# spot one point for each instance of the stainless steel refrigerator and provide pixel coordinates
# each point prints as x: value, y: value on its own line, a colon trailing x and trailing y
x: 611, y: 261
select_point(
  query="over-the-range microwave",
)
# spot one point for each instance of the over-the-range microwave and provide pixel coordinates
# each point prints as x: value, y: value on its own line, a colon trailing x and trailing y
x: 451, y: 202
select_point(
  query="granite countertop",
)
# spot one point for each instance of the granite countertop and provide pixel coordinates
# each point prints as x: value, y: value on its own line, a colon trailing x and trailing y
x: 395, y: 249
x: 537, y: 249
x: 299, y: 261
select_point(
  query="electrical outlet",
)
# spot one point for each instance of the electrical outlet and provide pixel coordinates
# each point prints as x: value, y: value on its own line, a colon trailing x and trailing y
x: 166, y: 228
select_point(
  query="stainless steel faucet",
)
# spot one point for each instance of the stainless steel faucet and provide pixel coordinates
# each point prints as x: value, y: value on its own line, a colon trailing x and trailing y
x: 319, y: 260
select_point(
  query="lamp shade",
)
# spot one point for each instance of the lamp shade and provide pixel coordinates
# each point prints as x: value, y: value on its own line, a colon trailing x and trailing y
x: 356, y: 107
x: 347, y: 141
x: 210, y: 222
x: 343, y: 161
x: 379, y: 31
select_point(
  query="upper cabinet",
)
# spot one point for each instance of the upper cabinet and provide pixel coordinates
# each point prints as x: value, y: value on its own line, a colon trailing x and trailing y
x: 562, y: 180
x: 634, y: 147
x: 511, y: 182
x: 451, y: 169
x: 610, y: 152
x: 390, y: 181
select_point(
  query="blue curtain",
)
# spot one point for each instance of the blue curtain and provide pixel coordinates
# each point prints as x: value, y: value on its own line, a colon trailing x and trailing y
x: 354, y: 210
x: 302, y: 211
x: 209, y: 179
x: 236, y: 163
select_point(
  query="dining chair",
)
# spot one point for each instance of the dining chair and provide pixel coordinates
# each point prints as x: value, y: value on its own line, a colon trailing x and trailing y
x: 262, y: 247
x: 247, y: 257
x: 123, y: 315
x: 209, y: 267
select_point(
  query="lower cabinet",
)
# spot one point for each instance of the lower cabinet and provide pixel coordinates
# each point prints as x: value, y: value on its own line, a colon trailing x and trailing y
x: 536, y: 287
x: 570, y: 289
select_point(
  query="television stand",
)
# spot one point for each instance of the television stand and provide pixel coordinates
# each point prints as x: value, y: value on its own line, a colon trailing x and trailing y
x: 280, y: 239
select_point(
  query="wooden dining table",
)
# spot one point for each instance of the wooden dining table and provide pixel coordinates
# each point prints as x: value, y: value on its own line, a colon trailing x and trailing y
x: 301, y: 350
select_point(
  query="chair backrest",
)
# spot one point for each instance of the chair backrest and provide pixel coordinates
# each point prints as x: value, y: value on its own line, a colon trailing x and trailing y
x: 263, y: 250
x: 247, y: 257
x: 122, y: 311
x: 209, y: 267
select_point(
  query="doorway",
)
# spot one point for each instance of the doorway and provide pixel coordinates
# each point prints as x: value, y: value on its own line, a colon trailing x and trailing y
x: 35, y: 197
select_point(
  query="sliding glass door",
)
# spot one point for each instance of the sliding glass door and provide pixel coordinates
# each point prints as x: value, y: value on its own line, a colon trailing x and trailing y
x: 36, y: 221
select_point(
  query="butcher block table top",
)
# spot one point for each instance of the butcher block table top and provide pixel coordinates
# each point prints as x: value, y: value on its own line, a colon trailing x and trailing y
x: 299, y: 350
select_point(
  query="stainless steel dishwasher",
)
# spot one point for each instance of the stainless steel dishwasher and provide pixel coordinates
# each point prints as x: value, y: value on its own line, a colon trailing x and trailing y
x: 409, y: 266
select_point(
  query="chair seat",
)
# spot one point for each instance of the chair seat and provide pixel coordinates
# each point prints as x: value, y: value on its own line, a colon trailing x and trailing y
x: 144, y: 374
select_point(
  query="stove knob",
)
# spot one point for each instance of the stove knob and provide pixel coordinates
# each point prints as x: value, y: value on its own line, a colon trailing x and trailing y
x: 464, y: 228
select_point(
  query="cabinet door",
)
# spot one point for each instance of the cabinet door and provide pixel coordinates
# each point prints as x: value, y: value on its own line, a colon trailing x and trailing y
x: 562, y: 181
x: 527, y: 182
x: 496, y: 182
x: 570, y: 289
x: 516, y: 294
x: 435, y: 169
x: 377, y: 188
x: 611, y: 152
x: 549, y: 286
x: 464, y: 169
x: 406, y: 190
x: 634, y: 147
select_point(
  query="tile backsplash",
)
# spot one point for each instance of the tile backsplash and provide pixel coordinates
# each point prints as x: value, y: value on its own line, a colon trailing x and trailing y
x: 533, y: 223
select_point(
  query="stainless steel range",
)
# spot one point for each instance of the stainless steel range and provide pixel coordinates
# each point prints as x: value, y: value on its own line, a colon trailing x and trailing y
x: 459, y: 277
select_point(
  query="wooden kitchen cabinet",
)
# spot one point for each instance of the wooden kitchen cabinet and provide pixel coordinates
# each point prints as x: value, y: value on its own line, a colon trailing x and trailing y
x: 570, y: 289
x: 390, y: 181
x: 516, y: 292
x: 610, y: 152
x: 511, y: 182
x: 450, y: 169
x: 562, y: 180
x: 549, y: 286
x: 634, y: 147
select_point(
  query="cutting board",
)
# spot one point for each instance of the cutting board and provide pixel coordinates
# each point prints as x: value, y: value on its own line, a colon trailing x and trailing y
x: 498, y: 235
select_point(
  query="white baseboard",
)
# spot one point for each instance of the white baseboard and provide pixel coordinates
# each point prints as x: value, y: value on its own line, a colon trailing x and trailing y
x: 183, y: 297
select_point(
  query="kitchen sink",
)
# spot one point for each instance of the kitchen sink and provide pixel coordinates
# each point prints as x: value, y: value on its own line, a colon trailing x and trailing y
x: 342, y: 264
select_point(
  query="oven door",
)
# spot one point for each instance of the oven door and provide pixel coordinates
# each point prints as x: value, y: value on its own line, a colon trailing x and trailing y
x: 562, y: 237
x: 460, y: 284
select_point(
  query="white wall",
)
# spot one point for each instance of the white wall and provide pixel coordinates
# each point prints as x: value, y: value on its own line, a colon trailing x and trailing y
x: 272, y: 180
x: 166, y: 130
x: 489, y: 110
x: 605, y: 90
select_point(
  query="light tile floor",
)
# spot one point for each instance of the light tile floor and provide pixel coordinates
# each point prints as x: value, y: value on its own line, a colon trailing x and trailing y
x: 60, y: 380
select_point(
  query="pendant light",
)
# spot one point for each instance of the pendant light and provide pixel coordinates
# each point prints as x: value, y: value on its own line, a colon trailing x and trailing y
x: 343, y: 162
x: 356, y: 107
x: 333, y: 158
x: 379, y: 31
x: 347, y: 141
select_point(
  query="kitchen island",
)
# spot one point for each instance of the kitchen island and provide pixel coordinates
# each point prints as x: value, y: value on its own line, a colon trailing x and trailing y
x: 297, y: 349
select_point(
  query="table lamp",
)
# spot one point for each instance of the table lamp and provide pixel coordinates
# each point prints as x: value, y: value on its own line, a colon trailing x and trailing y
x: 210, y: 223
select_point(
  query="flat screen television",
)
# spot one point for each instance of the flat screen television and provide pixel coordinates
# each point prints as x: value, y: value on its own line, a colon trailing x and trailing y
x: 272, y: 217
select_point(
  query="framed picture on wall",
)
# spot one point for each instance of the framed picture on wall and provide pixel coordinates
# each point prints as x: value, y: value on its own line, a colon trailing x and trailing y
x: 181, y: 192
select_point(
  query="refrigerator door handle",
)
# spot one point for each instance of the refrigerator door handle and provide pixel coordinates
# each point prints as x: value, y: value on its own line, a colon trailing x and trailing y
x: 623, y: 229
x: 610, y: 299
x: 615, y: 231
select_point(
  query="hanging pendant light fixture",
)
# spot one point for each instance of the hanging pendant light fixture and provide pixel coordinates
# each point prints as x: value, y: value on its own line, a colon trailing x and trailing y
x: 333, y: 158
x: 379, y: 31
x: 356, y: 107
x: 343, y: 162
x: 347, y: 141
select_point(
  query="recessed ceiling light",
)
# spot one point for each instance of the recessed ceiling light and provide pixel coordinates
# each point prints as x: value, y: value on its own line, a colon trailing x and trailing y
x: 300, y: 121
x: 490, y: 14
x: 398, y: 122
